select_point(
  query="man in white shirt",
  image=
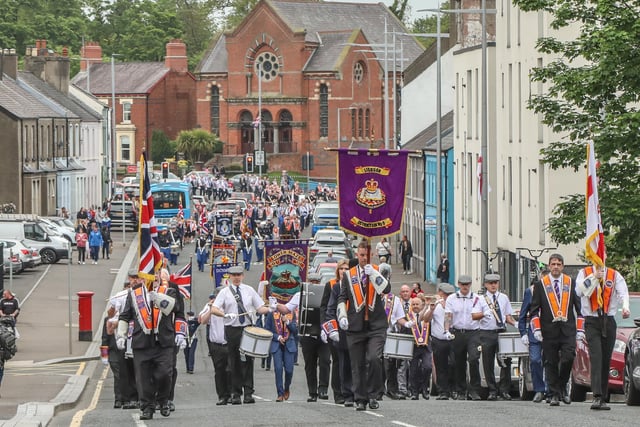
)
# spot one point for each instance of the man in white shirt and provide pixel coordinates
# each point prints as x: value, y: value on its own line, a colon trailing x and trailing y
x: 441, y: 343
x: 217, y: 350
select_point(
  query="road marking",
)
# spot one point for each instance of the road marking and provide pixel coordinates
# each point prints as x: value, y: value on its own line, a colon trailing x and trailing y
x: 35, y: 286
x: 81, y: 368
x: 77, y: 417
x: 374, y: 414
x: 400, y: 423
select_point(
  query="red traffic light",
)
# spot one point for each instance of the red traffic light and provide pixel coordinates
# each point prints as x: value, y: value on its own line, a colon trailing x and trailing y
x: 165, y: 170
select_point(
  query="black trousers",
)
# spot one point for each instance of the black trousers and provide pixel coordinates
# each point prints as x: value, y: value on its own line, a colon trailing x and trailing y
x: 219, y: 356
x: 558, y: 353
x: 465, y: 350
x: 127, y: 378
x: 420, y: 369
x: 489, y: 340
x: 365, y: 350
x: 316, y: 354
x: 336, y: 385
x: 154, y: 370
x: 391, y: 374
x: 114, y: 364
x: 344, y: 366
x: 241, y: 371
x: 600, y: 333
x: 444, y: 364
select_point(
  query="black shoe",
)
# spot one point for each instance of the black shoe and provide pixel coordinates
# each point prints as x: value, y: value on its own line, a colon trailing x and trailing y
x: 415, y: 396
x: 555, y: 401
x: 566, y: 399
x: 537, y: 398
x: 391, y: 395
x: 222, y: 401
x: 425, y: 395
x: 475, y: 396
x: 361, y: 406
x: 147, y: 414
x: 492, y: 397
x: 454, y: 395
x: 443, y: 396
x: 312, y: 398
x: 402, y: 395
x: 323, y: 395
x: 548, y: 398
x: 165, y: 411
x: 172, y: 406
x: 373, y: 404
x: 157, y: 406
x: 248, y: 399
x: 348, y: 403
x: 235, y: 400
x: 505, y: 396
x: 599, y: 404
x: 339, y: 400
x: 189, y: 371
x: 117, y: 404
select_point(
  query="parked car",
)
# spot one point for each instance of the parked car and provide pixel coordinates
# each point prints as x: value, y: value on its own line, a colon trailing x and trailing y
x: 58, y: 230
x: 51, y: 248
x: 129, y: 218
x: 325, y: 215
x: 580, y: 382
x: 12, y: 263
x: 321, y: 256
x: 631, y: 383
x: 327, y: 239
x: 29, y: 256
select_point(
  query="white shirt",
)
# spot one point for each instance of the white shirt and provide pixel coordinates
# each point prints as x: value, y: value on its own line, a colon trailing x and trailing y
x: 437, y: 322
x: 382, y: 248
x: 619, y: 295
x: 490, y: 324
x: 397, y: 313
x: 293, y: 303
x: 216, y: 327
x: 226, y: 301
x: 461, y: 307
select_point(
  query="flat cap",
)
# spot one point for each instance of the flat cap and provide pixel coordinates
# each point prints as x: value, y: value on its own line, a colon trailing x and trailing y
x: 465, y: 278
x: 236, y: 269
x: 492, y: 277
x: 447, y: 288
x: 133, y: 272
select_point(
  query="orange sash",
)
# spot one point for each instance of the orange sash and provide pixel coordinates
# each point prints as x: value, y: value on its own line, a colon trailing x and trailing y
x: 356, y: 291
x: 607, y: 289
x: 559, y: 309
x: 147, y: 318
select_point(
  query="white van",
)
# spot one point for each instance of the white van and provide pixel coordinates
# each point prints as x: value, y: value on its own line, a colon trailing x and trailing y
x: 51, y: 248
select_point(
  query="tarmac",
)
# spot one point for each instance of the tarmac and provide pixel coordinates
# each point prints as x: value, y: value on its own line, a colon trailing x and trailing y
x: 52, y: 367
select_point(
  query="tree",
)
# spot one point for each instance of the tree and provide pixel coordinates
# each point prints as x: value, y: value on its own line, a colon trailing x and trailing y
x: 593, y: 93
x: 429, y: 24
x: 198, y: 145
x: 161, y: 146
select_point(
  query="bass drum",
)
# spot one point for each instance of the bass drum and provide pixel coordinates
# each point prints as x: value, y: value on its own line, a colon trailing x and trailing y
x: 310, y: 300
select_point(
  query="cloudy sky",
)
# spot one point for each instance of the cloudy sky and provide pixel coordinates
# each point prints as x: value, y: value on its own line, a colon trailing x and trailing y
x: 414, y: 4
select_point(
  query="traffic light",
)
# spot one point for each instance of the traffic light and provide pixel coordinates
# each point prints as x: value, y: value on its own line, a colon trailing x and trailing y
x: 248, y: 166
x: 165, y: 170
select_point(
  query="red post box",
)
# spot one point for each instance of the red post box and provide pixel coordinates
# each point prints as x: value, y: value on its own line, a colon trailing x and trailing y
x: 84, y: 316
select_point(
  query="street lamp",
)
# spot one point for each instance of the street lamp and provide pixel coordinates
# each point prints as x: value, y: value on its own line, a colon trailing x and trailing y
x: 113, y: 122
x: 339, y: 136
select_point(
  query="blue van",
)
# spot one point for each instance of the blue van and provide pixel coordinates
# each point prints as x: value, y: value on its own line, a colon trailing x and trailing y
x: 326, y: 215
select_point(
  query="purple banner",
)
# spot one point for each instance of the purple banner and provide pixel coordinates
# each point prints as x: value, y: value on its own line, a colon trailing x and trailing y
x: 285, y: 263
x: 371, y: 185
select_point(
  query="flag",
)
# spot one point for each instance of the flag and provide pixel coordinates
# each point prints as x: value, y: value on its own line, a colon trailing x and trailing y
x: 204, y: 222
x: 479, y: 175
x: 150, y: 255
x: 256, y: 122
x: 183, y: 279
x: 594, y: 250
x: 180, y: 211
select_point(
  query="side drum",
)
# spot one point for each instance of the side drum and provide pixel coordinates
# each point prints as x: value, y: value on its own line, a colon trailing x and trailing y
x: 255, y: 341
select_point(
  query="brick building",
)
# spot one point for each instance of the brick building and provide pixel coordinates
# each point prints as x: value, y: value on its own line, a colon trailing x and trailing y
x: 148, y: 96
x: 298, y: 60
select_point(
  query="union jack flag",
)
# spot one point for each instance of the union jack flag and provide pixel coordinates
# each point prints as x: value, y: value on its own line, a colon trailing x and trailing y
x: 256, y: 122
x: 183, y: 279
x: 180, y: 211
x: 204, y: 222
x: 150, y: 255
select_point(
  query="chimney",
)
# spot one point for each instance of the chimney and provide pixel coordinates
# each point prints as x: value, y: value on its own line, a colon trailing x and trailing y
x: 10, y: 63
x: 51, y: 68
x: 91, y: 53
x: 176, y: 59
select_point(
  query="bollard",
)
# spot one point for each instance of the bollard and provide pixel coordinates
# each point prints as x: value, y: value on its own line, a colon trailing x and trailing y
x: 84, y: 316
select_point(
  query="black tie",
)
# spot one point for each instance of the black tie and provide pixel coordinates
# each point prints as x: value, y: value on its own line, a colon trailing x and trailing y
x: 406, y: 307
x: 241, y: 309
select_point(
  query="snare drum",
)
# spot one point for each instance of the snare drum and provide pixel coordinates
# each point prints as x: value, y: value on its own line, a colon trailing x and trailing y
x: 398, y: 346
x: 310, y: 301
x: 510, y: 345
x: 255, y: 341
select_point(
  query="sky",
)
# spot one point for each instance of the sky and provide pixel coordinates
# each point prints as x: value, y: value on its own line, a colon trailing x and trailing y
x: 414, y: 4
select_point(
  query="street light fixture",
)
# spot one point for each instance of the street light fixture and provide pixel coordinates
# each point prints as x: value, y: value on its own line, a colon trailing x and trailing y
x: 113, y: 123
x: 339, y: 135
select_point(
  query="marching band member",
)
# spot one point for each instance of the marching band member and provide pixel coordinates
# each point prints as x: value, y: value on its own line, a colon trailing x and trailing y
x: 555, y: 323
x: 283, y: 349
x: 441, y: 344
x: 393, y: 309
x: 421, y: 363
x: 601, y: 290
x: 404, y: 365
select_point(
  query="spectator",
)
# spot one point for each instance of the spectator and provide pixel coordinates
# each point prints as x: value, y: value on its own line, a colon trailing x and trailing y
x: 106, y: 242
x: 383, y: 249
x: 406, y: 253
x: 9, y: 305
x: 95, y: 242
x: 443, y: 269
x: 81, y: 242
x: 416, y: 289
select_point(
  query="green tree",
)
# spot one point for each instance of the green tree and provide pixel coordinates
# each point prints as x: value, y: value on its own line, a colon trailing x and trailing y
x: 399, y: 8
x: 161, y: 146
x: 429, y: 24
x: 198, y: 145
x: 593, y: 93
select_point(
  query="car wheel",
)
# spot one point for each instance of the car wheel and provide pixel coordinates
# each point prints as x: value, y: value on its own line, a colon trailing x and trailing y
x: 577, y: 392
x: 631, y: 393
x: 522, y: 384
x: 48, y: 256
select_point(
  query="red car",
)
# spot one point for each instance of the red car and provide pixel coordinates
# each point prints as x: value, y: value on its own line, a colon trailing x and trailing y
x: 580, y: 382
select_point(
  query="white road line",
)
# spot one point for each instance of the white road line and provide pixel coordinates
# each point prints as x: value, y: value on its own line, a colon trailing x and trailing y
x: 35, y: 286
x: 375, y: 414
x: 262, y: 398
x: 400, y: 423
x: 77, y: 418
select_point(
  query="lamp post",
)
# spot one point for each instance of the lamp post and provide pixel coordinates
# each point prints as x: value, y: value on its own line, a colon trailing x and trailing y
x: 339, y: 135
x: 113, y: 123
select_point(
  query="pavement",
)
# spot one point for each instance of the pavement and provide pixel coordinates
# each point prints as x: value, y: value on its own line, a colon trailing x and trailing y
x: 52, y: 367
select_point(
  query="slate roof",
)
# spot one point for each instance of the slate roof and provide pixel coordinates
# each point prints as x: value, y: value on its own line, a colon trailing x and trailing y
x: 21, y: 103
x: 73, y: 106
x: 332, y: 52
x: 320, y: 18
x: 427, y: 138
x: 130, y: 77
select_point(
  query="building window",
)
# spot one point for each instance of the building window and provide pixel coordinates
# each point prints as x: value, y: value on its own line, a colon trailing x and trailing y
x: 367, y: 123
x: 324, y: 110
x: 126, y: 112
x: 267, y: 66
x: 353, y: 123
x: 125, y: 148
x: 267, y: 131
x: 246, y: 132
x: 360, y: 123
x: 286, y: 135
x: 358, y: 72
x: 215, y: 110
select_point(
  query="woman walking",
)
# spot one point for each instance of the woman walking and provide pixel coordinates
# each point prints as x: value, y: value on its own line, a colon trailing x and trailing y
x: 95, y: 242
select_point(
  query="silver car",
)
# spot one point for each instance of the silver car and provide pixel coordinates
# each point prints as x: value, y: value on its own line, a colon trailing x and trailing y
x: 30, y: 257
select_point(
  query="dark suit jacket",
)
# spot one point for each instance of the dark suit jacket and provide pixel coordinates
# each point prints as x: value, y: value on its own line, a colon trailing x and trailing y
x: 377, y: 317
x: 540, y: 305
x: 290, y: 344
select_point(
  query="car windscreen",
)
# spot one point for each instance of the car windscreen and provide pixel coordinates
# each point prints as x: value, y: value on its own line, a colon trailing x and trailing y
x: 326, y: 210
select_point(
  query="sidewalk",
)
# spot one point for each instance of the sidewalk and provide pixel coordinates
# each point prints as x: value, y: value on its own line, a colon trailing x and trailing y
x: 47, y: 374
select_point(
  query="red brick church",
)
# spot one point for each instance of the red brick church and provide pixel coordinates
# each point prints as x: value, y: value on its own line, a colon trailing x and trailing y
x: 299, y: 60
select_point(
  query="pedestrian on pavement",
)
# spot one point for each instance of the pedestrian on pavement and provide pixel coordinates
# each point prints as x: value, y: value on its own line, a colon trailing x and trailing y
x: 406, y: 253
x: 95, y: 242
x: 81, y: 243
x: 365, y: 321
x: 283, y: 349
x: 416, y: 289
x: 501, y: 314
x: 106, y: 242
x: 557, y: 322
x: 383, y: 249
x: 218, y: 350
x: 440, y: 343
x: 601, y: 290
x: 10, y: 306
x: 443, y: 269
x: 463, y: 310
x: 236, y: 303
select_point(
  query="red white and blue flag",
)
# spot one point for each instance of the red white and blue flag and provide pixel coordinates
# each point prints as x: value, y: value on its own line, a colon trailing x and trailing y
x: 204, y: 221
x: 595, y: 250
x: 180, y: 211
x: 150, y: 255
x: 183, y: 279
x: 256, y: 122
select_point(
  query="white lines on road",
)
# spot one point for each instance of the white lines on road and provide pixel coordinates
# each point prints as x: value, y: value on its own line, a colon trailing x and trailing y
x: 375, y: 414
x: 262, y: 398
x: 42, y: 276
x: 400, y: 423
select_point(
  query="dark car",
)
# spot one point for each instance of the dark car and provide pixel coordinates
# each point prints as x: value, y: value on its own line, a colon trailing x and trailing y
x: 129, y: 218
x: 631, y: 383
x: 329, y: 239
x: 580, y: 382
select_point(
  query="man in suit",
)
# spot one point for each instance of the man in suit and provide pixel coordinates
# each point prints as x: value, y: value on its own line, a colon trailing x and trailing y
x: 362, y: 314
x: 556, y: 325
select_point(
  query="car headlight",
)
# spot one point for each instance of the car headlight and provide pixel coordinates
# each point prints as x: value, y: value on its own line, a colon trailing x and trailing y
x: 619, y: 346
